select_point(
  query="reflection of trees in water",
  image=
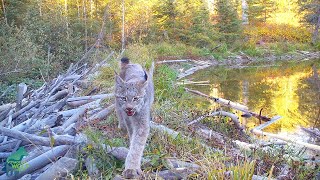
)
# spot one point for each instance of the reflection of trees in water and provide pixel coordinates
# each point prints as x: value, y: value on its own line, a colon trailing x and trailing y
x: 309, y: 97
x: 231, y: 89
x: 286, y: 90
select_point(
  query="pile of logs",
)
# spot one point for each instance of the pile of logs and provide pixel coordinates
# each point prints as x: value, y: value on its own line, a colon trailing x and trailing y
x: 45, y: 122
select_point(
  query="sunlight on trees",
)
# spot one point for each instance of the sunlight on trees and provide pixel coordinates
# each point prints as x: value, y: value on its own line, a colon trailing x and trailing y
x: 64, y: 29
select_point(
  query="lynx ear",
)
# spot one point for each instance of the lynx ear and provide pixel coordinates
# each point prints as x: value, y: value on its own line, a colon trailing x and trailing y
x: 119, y: 80
x: 144, y: 84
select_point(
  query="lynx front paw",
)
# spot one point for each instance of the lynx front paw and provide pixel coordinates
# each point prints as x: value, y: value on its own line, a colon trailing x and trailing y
x: 132, y: 173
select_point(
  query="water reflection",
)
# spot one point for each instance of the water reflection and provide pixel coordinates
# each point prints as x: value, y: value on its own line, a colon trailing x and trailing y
x: 287, y: 90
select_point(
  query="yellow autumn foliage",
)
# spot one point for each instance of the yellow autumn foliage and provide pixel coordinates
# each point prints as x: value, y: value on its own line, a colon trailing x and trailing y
x: 276, y: 33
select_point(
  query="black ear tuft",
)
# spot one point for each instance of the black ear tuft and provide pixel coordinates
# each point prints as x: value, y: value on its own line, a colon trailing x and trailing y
x: 145, y: 76
x: 125, y: 60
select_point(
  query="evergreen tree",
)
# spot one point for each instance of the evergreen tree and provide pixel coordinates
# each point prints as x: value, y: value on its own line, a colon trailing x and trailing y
x: 165, y: 14
x: 227, y: 20
x: 260, y: 10
x: 311, y: 10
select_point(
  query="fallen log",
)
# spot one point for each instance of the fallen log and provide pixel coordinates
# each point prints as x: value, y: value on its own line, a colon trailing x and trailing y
x: 24, y: 109
x: 75, y: 104
x: 312, y: 132
x: 55, y: 107
x: 34, y: 152
x: 22, y: 89
x: 193, y: 70
x: 102, y: 114
x: 7, y: 106
x: 72, y: 77
x: 247, y: 146
x: 91, y: 105
x: 174, y: 164
x: 94, y: 111
x: 233, y: 117
x: 258, y: 131
x: 94, y: 97
x: 4, y: 114
x: 284, y: 138
x: 193, y: 82
x: 8, y: 146
x: 38, y: 140
x: 4, y: 155
x: 173, y: 61
x: 67, y: 113
x: 78, y: 115
x: 59, y: 95
x: 59, y: 169
x: 230, y: 104
x: 39, y: 125
x: 174, y: 134
x: 210, y: 135
x: 9, y: 126
x: 39, y: 162
x: 171, y: 174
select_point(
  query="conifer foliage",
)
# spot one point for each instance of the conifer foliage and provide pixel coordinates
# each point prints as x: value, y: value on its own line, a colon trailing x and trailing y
x: 228, y: 21
x: 311, y: 10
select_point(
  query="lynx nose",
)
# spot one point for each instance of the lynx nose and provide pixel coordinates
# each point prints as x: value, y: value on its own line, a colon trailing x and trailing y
x: 129, y: 109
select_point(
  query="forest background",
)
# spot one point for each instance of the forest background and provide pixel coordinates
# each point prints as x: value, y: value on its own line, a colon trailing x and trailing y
x: 40, y: 38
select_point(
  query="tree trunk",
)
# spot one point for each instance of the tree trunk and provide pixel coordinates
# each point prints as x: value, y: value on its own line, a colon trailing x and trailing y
x: 66, y: 15
x: 123, y: 39
x: 316, y: 30
x: 244, y: 7
x: 78, y: 8
x: 4, y: 12
x: 91, y: 9
x: 40, y: 10
x: 84, y: 4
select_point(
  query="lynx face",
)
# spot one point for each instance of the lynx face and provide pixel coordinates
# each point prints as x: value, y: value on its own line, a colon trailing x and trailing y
x: 130, y: 95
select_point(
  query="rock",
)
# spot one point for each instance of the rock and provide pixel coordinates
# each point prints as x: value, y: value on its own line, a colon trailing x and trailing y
x: 174, y: 163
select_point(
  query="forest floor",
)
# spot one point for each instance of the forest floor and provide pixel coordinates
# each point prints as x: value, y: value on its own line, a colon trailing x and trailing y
x: 231, y: 154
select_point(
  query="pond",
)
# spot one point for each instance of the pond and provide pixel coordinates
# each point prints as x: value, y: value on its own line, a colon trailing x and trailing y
x: 288, y: 89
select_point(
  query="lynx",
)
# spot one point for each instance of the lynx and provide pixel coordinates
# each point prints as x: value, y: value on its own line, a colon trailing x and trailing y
x: 134, y: 94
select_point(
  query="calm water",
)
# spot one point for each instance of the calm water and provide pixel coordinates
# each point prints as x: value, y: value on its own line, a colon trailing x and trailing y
x: 288, y: 89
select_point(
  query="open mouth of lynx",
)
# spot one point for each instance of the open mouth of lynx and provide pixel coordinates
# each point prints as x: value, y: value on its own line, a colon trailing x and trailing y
x: 130, y: 113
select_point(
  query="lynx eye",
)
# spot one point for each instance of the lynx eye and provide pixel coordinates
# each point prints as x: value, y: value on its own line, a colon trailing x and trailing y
x: 123, y: 98
x: 135, y: 99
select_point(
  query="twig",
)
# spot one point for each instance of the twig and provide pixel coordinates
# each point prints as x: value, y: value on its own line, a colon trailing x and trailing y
x: 264, y: 125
